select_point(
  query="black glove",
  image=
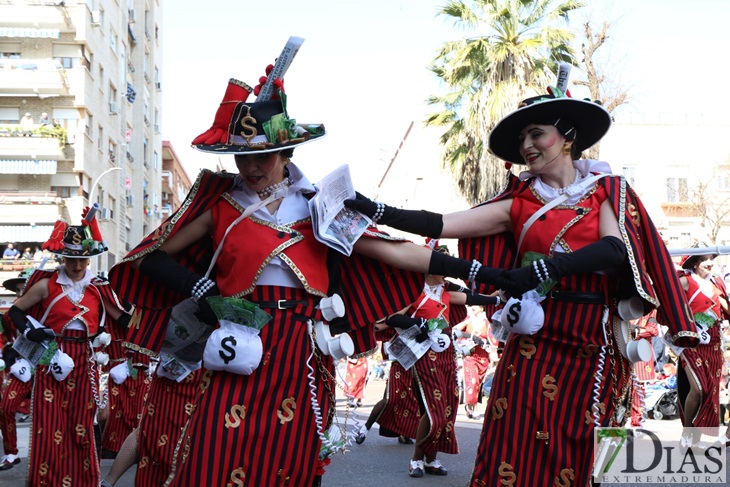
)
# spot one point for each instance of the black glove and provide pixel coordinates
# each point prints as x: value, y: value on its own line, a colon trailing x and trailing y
x: 420, y: 222
x: 10, y: 355
x: 123, y: 320
x: 405, y: 322
x: 478, y: 340
x: 37, y: 334
x: 460, y: 334
x: 19, y: 318
x: 606, y: 253
x: 205, y: 313
x: 476, y: 299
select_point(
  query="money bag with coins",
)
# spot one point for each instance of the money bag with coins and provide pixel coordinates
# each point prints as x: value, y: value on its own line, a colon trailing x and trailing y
x: 236, y: 345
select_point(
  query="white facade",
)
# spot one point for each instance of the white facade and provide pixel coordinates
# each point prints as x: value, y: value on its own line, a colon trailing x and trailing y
x: 93, y: 66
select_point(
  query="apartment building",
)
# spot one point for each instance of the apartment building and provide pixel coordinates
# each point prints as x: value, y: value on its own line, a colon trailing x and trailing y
x: 87, y: 74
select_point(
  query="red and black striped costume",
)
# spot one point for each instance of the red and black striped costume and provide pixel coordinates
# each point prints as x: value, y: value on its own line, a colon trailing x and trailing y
x: 126, y: 400
x: 475, y: 368
x: 356, y: 376
x: 704, y: 363
x: 169, y: 406
x: 542, y: 395
x: 14, y: 397
x: 263, y: 422
x: 401, y: 414
x: 62, y: 448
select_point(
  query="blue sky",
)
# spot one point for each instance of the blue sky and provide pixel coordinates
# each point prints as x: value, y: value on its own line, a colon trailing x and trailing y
x: 362, y: 70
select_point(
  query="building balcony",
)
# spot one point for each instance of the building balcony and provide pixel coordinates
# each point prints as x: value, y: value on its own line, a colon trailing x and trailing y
x: 33, y: 18
x: 166, y: 181
x: 43, y: 78
x: 682, y: 209
x: 34, y: 154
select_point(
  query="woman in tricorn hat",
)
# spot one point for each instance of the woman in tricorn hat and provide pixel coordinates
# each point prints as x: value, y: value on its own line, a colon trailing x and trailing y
x: 553, y: 385
x: 72, y: 306
x: 700, y: 369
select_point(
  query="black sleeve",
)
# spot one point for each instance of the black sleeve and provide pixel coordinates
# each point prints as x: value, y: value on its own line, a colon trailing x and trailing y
x: 19, y: 318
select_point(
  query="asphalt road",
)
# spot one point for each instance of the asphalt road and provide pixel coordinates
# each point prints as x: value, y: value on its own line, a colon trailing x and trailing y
x: 378, y: 462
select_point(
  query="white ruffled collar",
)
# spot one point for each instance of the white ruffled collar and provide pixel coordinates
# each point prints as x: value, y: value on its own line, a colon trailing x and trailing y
x: 64, y: 280
x: 585, y: 167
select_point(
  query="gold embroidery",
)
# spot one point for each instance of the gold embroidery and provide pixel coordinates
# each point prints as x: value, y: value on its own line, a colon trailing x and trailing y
x: 237, y: 477
x: 567, y: 476
x: 162, y: 441
x: 551, y: 390
x: 233, y: 419
x: 48, y: 395
x: 527, y: 347
x: 58, y: 437
x: 43, y: 469
x: 66, y: 482
x: 601, y: 410
x: 287, y: 405
x: 512, y: 373
x: 190, y: 408
x: 543, y: 435
x: 284, y: 479
x: 507, y: 474
x: 151, y: 409
x: 248, y: 131
x: 161, y: 231
x: 587, y: 351
x: 500, y: 405
x: 80, y: 430
x: 143, y: 461
x: 205, y: 380
x: 437, y: 394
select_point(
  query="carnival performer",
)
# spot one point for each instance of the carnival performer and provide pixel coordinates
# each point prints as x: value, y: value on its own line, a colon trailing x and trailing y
x: 476, y: 362
x: 356, y: 375
x: 17, y: 388
x: 275, y: 413
x: 700, y: 369
x: 169, y: 405
x: 71, y: 305
x: 554, y: 384
x: 647, y: 328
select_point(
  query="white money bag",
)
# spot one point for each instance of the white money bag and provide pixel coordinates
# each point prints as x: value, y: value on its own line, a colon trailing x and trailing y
x: 61, y: 365
x: 22, y: 370
x: 233, y: 348
x: 102, y: 358
x: 523, y: 316
x: 103, y: 339
x: 119, y: 373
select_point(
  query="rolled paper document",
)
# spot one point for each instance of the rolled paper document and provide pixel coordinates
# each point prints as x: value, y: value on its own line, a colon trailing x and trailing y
x: 282, y: 64
x: 563, y: 75
x: 93, y: 209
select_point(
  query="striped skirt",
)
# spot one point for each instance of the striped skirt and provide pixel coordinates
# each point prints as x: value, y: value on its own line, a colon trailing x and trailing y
x: 401, y: 414
x: 14, y: 393
x: 475, y: 368
x: 126, y: 401
x: 704, y: 363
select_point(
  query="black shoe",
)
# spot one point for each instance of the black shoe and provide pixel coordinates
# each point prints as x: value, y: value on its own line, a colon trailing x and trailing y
x: 361, y: 435
x: 9, y: 462
x: 435, y: 468
x: 416, y: 468
x: 404, y: 440
x: 108, y: 454
x: 22, y: 418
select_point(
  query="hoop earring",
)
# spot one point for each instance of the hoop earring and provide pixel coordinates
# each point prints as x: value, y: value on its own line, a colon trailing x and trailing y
x: 287, y: 160
x: 566, y: 149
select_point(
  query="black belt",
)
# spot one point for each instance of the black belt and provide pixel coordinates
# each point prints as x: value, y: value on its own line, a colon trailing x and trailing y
x: 73, y: 339
x: 586, y: 298
x: 283, y: 304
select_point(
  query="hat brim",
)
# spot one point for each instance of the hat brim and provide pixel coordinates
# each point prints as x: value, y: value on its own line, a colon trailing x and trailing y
x: 591, y: 122
x: 245, y: 149
x: 77, y: 254
x: 14, y: 284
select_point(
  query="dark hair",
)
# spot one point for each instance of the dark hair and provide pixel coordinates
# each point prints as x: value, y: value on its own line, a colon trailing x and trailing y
x: 566, y: 128
x: 693, y: 260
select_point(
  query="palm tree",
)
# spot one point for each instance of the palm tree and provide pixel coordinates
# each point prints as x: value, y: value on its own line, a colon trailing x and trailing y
x: 517, y: 50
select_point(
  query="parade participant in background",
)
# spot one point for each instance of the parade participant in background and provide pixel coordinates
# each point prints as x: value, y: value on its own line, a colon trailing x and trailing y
x: 476, y: 362
x: 275, y: 413
x: 71, y: 305
x: 547, y: 376
x: 356, y: 375
x: 646, y: 328
x: 700, y: 369
x: 16, y: 391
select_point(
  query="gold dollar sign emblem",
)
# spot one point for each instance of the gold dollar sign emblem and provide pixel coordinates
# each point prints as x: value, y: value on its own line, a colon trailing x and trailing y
x: 397, y: 374
x: 80, y: 430
x: 71, y: 384
x: 237, y: 478
x: 437, y: 394
x: 151, y: 409
x: 48, y: 395
x: 43, y: 469
x: 189, y: 408
x: 548, y: 383
x: 248, y: 132
x: 634, y: 214
x: 162, y: 441
x: 566, y: 478
x: 58, y: 437
x: 288, y: 405
x: 500, y: 405
x: 601, y: 409
x: 66, y: 482
x: 13, y: 394
x: 205, y: 380
x: 143, y: 461
x: 87, y: 464
x: 233, y: 419
x: 507, y: 474
x: 447, y: 411
x: 527, y: 347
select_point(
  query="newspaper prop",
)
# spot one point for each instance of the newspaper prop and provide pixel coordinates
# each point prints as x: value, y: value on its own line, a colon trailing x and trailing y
x: 30, y: 350
x: 280, y: 67
x: 334, y: 224
x: 407, y: 350
x: 186, y: 335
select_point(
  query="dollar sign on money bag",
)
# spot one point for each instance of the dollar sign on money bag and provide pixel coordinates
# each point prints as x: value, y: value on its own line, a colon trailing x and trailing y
x: 56, y: 368
x: 227, y: 344
x: 513, y: 316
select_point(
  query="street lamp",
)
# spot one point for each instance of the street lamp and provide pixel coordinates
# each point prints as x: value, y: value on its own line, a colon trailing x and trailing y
x: 93, y: 186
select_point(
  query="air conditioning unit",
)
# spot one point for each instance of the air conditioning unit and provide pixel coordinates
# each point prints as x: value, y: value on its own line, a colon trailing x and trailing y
x: 96, y: 17
x: 106, y: 214
x: 113, y: 108
x: 132, y: 18
x: 158, y: 85
x: 130, y: 200
x: 158, y: 215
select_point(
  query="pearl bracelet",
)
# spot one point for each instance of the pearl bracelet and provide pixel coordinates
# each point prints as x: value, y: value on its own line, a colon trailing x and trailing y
x: 379, y: 211
x: 537, y: 271
x: 475, y: 266
x: 201, y: 287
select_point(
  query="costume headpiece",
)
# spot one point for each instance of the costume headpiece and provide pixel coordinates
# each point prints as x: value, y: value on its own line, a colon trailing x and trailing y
x: 688, y: 262
x: 77, y: 241
x: 15, y: 283
x: 242, y: 127
x: 586, y: 122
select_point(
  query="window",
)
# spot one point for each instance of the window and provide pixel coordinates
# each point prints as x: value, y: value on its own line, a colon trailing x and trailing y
x: 155, y: 160
x: 72, y: 55
x: 113, y: 41
x: 112, y: 151
x: 67, y: 118
x: 629, y: 173
x: 101, y: 138
x: 9, y: 115
x: 88, y: 124
x: 101, y: 78
x: 10, y: 50
x: 62, y: 191
x: 677, y: 190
